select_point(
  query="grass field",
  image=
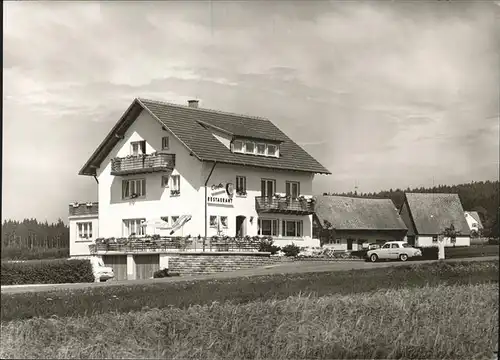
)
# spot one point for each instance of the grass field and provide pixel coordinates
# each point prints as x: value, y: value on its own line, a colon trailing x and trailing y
x: 241, y: 290
x: 445, y: 322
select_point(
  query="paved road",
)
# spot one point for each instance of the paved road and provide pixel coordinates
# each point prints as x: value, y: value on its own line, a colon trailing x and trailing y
x: 281, y: 268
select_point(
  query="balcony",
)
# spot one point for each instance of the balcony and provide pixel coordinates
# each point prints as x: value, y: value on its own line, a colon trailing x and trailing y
x: 141, y: 164
x: 284, y: 205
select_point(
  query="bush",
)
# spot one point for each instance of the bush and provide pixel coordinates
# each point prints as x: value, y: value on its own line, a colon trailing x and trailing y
x: 267, y: 246
x: 47, y: 272
x: 493, y: 241
x: 163, y: 273
x: 16, y: 253
x: 291, y: 250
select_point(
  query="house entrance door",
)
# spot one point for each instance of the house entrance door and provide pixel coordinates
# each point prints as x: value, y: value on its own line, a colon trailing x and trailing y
x: 240, y: 226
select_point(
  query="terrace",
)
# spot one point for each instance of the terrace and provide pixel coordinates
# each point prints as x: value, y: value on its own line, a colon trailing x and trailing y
x: 284, y: 205
x: 175, y: 244
x: 147, y: 163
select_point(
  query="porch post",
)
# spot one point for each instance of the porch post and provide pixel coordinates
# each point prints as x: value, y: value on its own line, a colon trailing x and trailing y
x: 130, y: 267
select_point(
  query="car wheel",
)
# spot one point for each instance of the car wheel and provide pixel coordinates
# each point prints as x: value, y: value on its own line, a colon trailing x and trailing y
x: 373, y: 257
x: 403, y: 257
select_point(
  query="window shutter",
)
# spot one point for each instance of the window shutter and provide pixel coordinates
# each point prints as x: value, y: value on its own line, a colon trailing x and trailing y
x: 143, y: 146
x: 143, y: 187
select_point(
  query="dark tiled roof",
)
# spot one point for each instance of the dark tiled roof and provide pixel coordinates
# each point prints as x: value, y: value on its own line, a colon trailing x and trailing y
x: 475, y: 216
x: 186, y: 124
x: 78, y: 209
x: 353, y: 213
x: 433, y: 212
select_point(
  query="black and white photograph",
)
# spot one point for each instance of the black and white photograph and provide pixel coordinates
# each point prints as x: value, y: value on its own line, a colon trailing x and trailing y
x: 281, y: 179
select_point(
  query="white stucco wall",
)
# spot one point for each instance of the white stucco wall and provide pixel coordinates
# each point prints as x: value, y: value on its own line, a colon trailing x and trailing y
x: 473, y: 223
x: 193, y: 173
x: 426, y: 241
x: 77, y: 246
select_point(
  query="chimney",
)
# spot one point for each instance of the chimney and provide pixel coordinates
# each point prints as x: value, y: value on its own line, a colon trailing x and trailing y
x: 193, y: 103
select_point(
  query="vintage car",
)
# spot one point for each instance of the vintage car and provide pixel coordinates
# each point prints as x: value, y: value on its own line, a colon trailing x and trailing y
x: 101, y: 272
x: 393, y: 250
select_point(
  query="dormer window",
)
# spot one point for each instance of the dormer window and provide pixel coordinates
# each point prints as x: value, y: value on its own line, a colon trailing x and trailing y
x: 249, y: 147
x: 272, y: 150
x: 237, y: 146
x: 261, y: 149
x: 255, y: 148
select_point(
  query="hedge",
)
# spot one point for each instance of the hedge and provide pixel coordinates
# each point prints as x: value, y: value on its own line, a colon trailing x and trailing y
x: 47, y: 272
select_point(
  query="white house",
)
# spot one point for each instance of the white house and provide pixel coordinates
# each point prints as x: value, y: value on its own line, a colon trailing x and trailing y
x: 221, y: 173
x: 474, y: 221
x: 427, y: 215
x: 352, y: 223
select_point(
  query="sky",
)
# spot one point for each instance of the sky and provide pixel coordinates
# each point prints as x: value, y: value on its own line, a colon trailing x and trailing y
x: 385, y: 94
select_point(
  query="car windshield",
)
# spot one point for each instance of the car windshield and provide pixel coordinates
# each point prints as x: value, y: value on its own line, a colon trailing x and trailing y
x: 405, y: 245
x: 386, y: 246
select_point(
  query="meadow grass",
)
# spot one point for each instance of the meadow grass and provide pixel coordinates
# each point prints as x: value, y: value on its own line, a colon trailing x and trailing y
x: 445, y: 322
x: 241, y: 290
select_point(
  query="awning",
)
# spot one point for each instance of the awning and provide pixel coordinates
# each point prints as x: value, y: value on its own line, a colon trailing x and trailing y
x: 157, y: 224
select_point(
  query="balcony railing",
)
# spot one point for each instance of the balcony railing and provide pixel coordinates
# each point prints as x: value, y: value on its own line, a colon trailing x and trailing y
x: 174, y: 244
x: 142, y: 164
x: 284, y: 205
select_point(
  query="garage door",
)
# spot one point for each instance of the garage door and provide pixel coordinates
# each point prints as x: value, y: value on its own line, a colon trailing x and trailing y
x: 146, y: 265
x: 119, y: 265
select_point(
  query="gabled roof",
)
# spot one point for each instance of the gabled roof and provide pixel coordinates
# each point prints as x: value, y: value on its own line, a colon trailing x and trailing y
x: 475, y: 216
x: 433, y: 212
x: 188, y: 124
x: 355, y: 213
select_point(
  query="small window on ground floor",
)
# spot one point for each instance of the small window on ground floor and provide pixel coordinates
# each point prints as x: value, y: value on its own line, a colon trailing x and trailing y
x: 291, y: 228
x: 268, y: 227
x: 84, y: 230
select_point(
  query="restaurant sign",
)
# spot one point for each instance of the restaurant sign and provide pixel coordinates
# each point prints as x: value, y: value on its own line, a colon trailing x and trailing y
x: 221, y: 194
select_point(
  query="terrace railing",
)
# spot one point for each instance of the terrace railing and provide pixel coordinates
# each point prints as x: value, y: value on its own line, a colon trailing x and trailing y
x: 284, y: 205
x: 166, y: 244
x: 142, y: 164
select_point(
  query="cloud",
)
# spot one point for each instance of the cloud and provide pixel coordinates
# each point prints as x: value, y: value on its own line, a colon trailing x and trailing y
x: 387, y: 94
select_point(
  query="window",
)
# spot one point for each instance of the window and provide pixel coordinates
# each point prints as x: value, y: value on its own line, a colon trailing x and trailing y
x: 133, y: 227
x: 241, y: 185
x: 174, y: 219
x: 291, y: 228
x: 267, y: 187
x: 138, y: 147
x: 434, y: 239
x: 164, y: 181
x: 268, y: 227
x: 238, y: 146
x: 293, y: 189
x: 386, y: 246
x: 395, y: 246
x: 271, y: 150
x: 261, y: 149
x: 165, y: 143
x: 405, y: 245
x: 249, y: 147
x: 213, y: 221
x: 176, y: 185
x: 132, y: 189
x: 223, y: 222
x: 84, y: 230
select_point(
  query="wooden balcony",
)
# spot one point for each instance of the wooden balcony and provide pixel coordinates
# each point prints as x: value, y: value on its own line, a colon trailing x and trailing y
x: 142, y: 164
x: 284, y: 205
